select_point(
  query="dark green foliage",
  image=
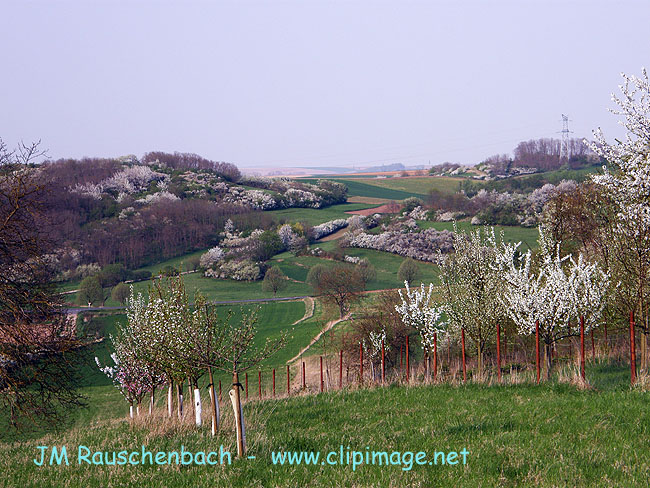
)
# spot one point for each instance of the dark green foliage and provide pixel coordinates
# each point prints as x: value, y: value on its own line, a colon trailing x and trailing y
x: 412, y: 202
x: 270, y: 244
x: 408, y: 271
x: 274, y: 280
x: 90, y: 291
x: 120, y: 293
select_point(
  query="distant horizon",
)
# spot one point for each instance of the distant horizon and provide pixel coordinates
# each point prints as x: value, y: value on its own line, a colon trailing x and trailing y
x: 320, y: 84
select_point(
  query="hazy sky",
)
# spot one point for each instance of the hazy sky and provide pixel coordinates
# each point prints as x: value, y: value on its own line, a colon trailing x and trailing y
x: 312, y: 83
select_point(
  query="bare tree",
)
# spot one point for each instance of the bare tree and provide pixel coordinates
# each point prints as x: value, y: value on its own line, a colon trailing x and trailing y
x: 339, y: 285
x: 39, y: 351
x: 233, y: 350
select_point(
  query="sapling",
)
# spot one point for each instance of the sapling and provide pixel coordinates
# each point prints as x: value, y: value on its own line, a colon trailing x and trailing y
x: 237, y: 353
x: 418, y: 311
x: 556, y: 292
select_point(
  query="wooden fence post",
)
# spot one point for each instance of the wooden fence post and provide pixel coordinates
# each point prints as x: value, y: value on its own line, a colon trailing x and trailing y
x: 304, y: 380
x: 341, y: 369
x: 273, y: 382
x: 259, y: 383
x: 321, y: 374
x: 288, y: 380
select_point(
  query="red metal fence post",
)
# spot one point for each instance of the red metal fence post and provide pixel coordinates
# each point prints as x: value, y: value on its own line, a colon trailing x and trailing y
x: 304, y: 380
x: 383, y: 363
x: 360, y: 363
x: 499, y: 351
x: 435, y: 355
x: 321, y: 374
x: 462, y: 337
x: 537, y: 348
x: 407, y: 358
x: 632, y: 350
x: 582, y: 348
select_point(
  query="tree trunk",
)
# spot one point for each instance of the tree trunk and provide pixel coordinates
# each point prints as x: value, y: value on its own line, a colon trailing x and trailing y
x: 548, y: 360
x: 214, y: 404
x: 239, y: 415
x: 197, y: 406
x: 152, y: 400
x: 644, y: 352
x: 179, y: 395
x: 189, y: 393
x: 479, y: 359
x: 131, y: 410
x: 170, y: 399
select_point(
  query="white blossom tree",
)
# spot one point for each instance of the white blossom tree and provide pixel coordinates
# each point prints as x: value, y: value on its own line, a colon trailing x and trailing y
x: 471, y: 286
x: 626, y: 179
x: 556, y: 292
x: 418, y: 311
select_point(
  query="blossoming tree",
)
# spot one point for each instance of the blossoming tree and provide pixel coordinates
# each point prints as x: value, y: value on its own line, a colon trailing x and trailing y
x: 626, y: 179
x: 471, y: 286
x: 554, y: 293
x: 418, y: 311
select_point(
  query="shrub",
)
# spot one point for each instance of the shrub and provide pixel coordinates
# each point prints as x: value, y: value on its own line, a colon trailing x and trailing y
x: 408, y: 271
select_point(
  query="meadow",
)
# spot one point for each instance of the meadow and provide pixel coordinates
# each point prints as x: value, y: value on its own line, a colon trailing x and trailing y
x: 516, y: 435
x: 397, y: 188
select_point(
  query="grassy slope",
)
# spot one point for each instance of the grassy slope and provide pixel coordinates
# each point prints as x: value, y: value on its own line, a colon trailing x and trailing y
x: 523, y: 435
x: 527, y: 236
x: 315, y: 216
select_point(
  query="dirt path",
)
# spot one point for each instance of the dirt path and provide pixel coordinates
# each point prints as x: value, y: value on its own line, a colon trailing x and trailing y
x: 328, y: 326
x: 371, y: 211
x: 309, y: 310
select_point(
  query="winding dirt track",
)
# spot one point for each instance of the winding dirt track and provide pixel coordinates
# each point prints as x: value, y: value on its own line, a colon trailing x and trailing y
x: 327, y: 327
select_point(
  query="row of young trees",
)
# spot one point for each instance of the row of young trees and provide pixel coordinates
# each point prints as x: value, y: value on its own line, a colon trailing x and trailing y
x: 593, y: 260
x: 488, y: 282
x: 169, y: 341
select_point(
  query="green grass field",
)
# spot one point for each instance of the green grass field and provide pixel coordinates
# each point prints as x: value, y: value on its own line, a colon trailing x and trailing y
x: 397, y: 188
x: 526, y: 235
x: 520, y: 435
x: 315, y: 216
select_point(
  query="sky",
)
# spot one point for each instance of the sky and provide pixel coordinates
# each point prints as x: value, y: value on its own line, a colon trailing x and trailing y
x: 313, y: 83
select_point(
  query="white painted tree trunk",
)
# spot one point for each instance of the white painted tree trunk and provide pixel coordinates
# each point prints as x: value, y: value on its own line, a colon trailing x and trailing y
x: 131, y: 410
x: 215, y: 419
x: 170, y: 401
x: 152, y: 400
x: 239, y: 421
x: 214, y: 402
x: 197, y: 406
x: 137, y: 409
